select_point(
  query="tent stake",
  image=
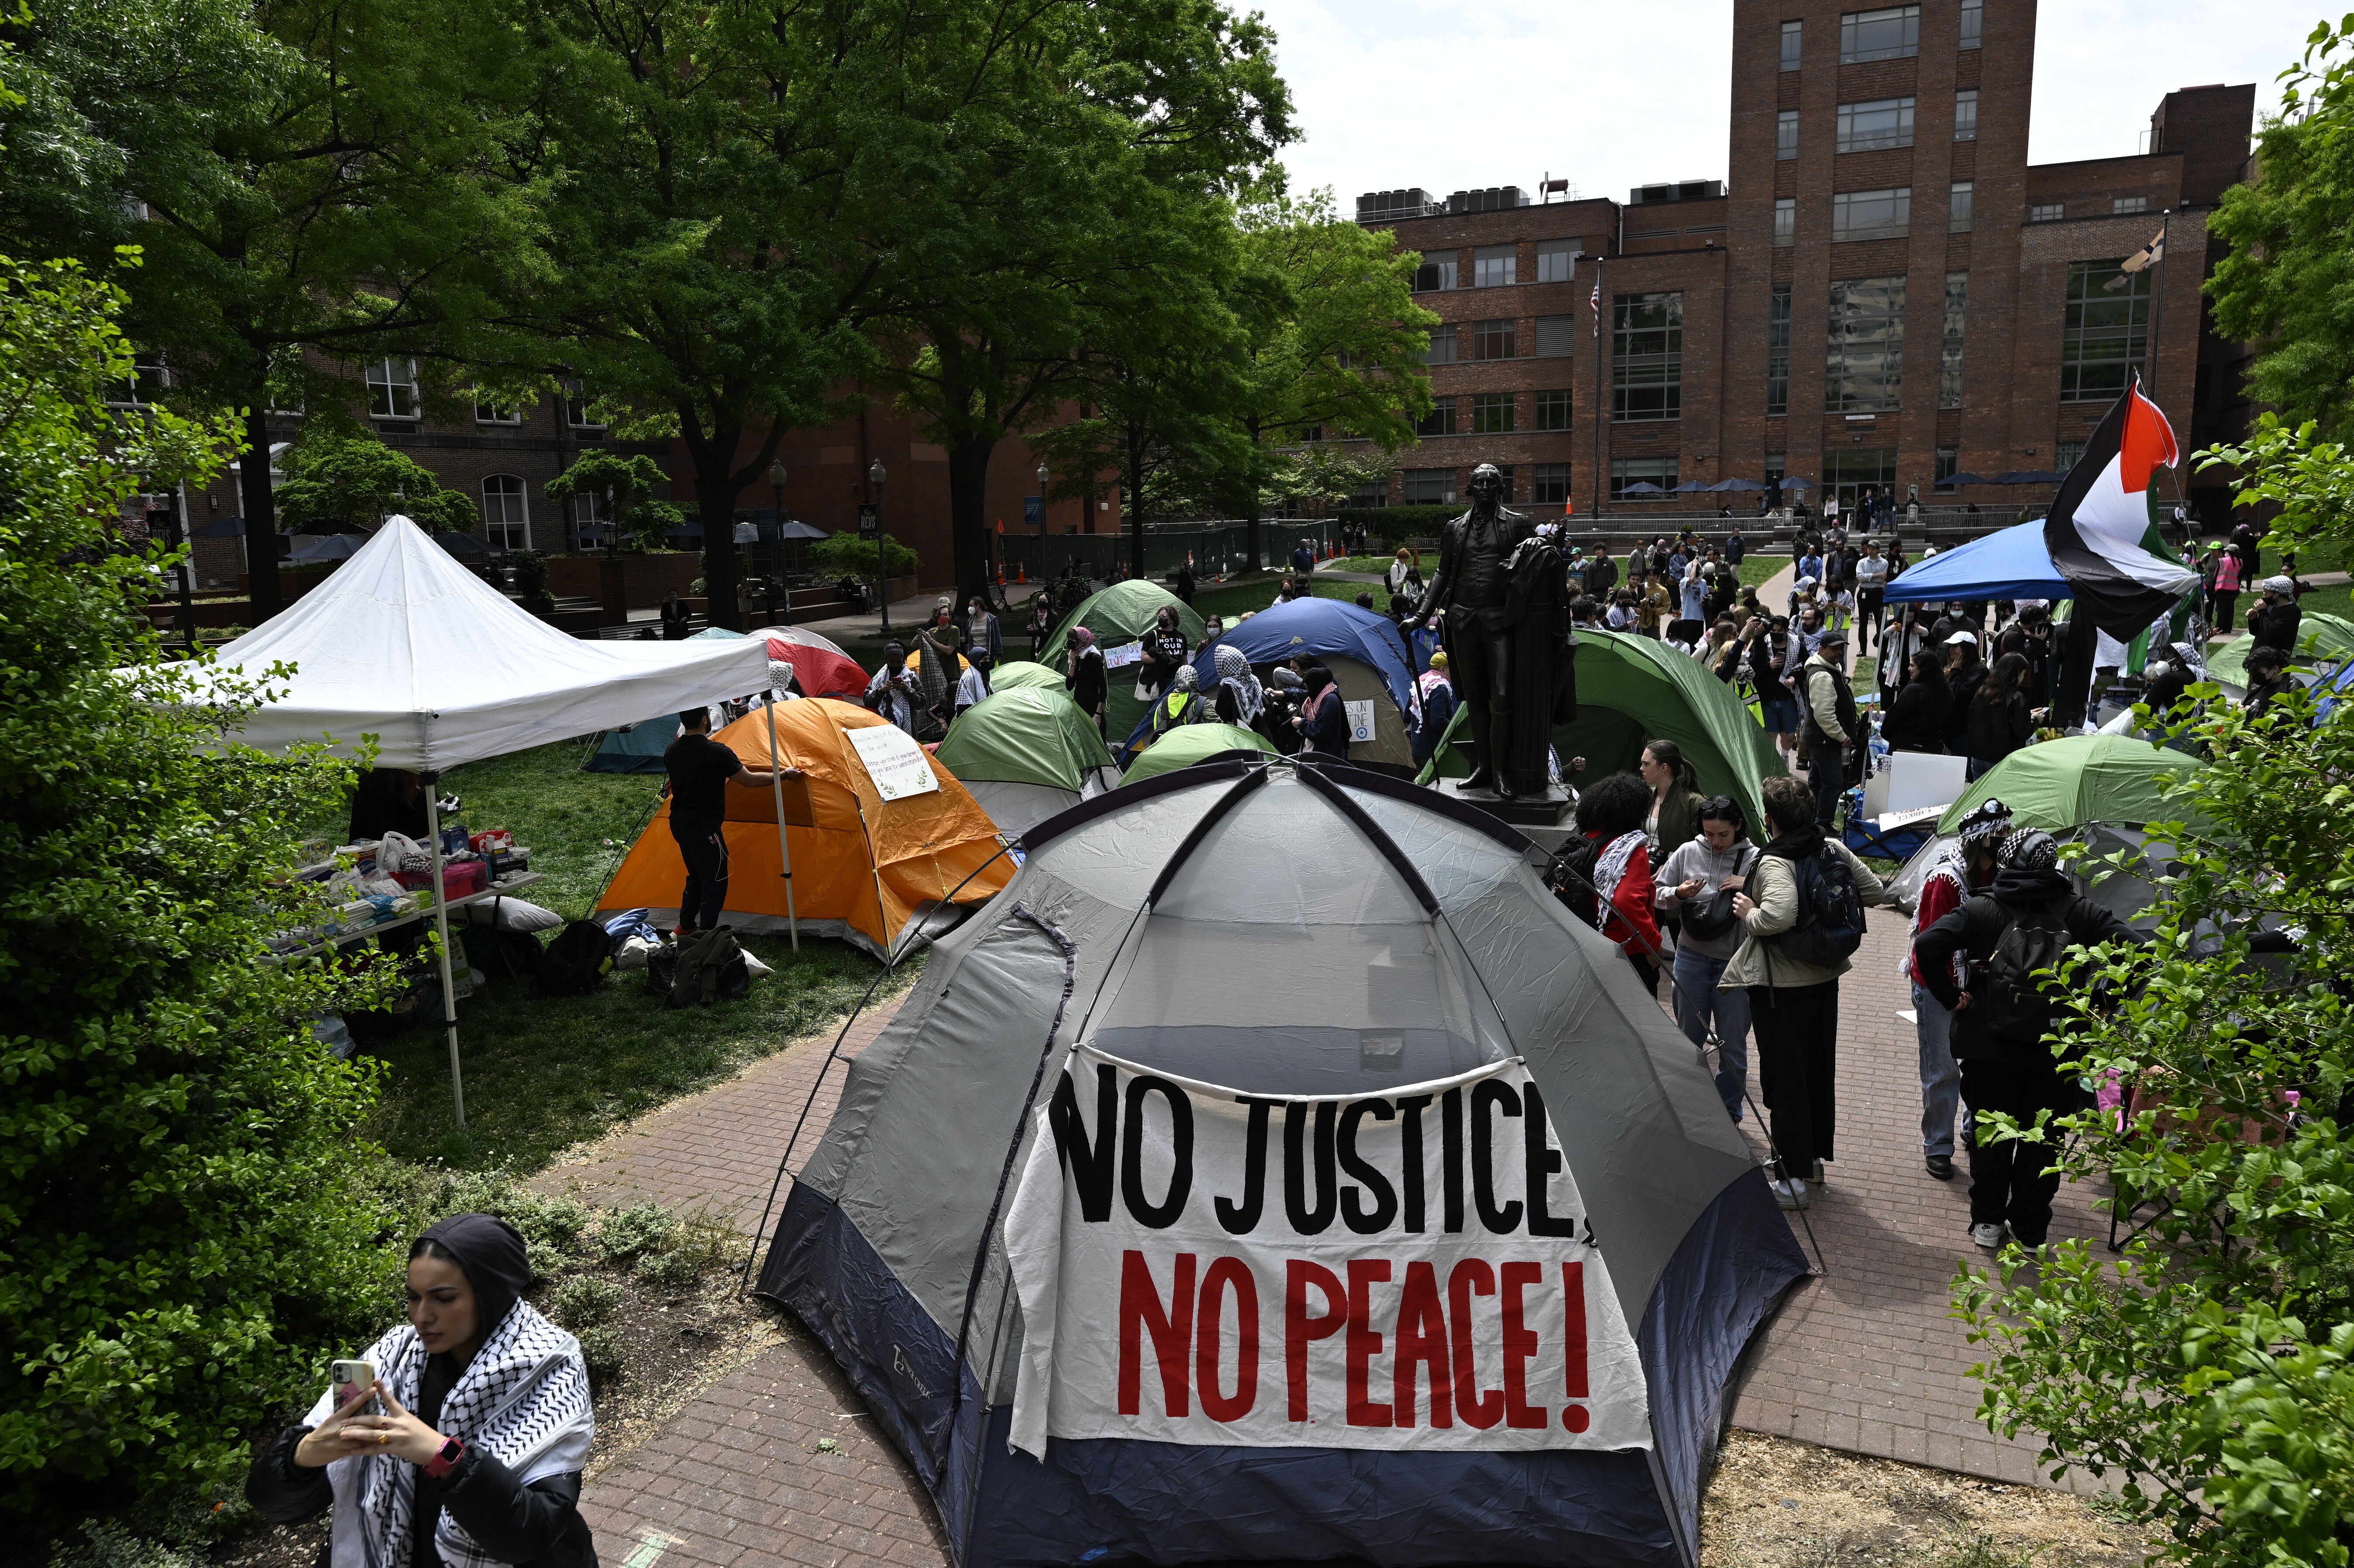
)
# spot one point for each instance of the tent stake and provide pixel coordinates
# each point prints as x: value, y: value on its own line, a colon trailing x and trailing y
x: 442, y: 928
x: 784, y: 849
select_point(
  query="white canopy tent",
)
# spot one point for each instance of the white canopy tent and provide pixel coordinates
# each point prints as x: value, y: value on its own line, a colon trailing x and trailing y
x: 405, y: 645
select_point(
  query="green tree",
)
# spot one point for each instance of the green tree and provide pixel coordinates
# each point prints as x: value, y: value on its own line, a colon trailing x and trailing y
x: 347, y: 482
x: 634, y: 515
x: 179, y: 1246
x: 311, y: 181
x: 2285, y: 279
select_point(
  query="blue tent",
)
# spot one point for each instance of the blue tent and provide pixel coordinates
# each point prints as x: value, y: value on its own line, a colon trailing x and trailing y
x: 1320, y: 626
x: 634, y: 748
x: 2011, y: 563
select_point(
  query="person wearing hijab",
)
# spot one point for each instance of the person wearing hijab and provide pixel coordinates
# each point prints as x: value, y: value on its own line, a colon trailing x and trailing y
x: 1323, y: 719
x: 1084, y: 675
x: 467, y: 1448
x: 1239, y: 699
x: 1438, y: 705
x: 1181, y: 705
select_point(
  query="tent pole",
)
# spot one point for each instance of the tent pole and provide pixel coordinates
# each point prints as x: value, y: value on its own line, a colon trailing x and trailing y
x: 442, y: 928
x: 882, y: 911
x: 784, y: 848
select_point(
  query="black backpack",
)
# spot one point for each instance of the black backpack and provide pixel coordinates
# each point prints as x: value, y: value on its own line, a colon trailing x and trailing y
x: 1570, y: 877
x: 2010, y: 998
x: 1830, y: 926
x: 579, y: 958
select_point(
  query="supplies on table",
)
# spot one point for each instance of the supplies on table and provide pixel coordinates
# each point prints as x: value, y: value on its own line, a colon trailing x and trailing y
x: 488, y: 843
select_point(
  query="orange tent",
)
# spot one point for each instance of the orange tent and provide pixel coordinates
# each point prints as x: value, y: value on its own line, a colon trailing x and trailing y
x: 861, y: 865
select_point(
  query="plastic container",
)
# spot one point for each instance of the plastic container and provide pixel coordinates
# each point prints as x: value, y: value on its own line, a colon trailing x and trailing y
x: 496, y: 839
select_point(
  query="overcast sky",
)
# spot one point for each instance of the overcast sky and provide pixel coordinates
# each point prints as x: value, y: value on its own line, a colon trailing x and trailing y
x: 1615, y: 93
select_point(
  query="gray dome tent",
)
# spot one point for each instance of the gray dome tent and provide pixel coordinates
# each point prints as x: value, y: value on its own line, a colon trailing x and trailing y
x: 1314, y: 937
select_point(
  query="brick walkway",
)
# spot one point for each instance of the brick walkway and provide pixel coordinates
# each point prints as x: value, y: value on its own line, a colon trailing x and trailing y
x: 1864, y: 1360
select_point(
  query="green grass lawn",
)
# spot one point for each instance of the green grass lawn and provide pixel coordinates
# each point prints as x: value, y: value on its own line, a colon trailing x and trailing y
x: 544, y: 1074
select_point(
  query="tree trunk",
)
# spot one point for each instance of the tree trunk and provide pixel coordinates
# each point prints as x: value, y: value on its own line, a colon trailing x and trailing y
x: 260, y: 510
x: 716, y: 487
x: 1134, y: 500
x: 1250, y: 507
x: 969, y: 515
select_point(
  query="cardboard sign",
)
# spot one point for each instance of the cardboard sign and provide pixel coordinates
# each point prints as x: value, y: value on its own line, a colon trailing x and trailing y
x: 1407, y: 1270
x: 893, y: 760
x: 1361, y: 719
x: 1127, y: 653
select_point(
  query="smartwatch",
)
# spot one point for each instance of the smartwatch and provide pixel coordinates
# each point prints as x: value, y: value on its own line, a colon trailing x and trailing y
x: 443, y: 1462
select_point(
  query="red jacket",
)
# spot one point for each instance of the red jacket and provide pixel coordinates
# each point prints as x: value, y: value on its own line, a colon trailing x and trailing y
x: 1630, y: 922
x: 1940, y: 896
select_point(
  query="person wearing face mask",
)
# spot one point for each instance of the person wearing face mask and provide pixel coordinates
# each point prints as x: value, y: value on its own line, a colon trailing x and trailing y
x: 1715, y: 859
x: 467, y: 1449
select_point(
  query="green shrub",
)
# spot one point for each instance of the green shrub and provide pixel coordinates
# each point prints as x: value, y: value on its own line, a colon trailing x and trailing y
x: 110, y: 1545
x: 845, y: 554
x: 602, y: 1351
x: 186, y: 1242
x: 584, y: 1301
x: 1396, y: 524
x: 629, y: 1234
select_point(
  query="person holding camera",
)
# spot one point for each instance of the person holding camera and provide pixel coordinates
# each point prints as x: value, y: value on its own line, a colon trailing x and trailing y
x: 459, y: 1437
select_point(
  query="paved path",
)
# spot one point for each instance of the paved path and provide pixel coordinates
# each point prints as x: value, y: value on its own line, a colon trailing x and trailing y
x: 1864, y: 1359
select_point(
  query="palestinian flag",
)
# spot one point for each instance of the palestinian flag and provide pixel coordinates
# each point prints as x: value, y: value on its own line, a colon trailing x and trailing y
x: 2099, y: 531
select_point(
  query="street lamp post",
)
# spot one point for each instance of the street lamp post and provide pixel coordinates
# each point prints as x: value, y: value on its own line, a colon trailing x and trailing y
x: 776, y: 549
x: 875, y: 476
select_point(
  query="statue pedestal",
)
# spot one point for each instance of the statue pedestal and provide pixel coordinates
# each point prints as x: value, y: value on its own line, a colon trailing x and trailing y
x: 1545, y: 817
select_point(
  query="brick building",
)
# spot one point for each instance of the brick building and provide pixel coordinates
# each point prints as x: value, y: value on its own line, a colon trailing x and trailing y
x: 1884, y: 290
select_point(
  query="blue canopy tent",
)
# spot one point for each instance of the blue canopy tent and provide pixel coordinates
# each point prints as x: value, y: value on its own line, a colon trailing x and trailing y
x: 1321, y: 627
x: 2010, y: 563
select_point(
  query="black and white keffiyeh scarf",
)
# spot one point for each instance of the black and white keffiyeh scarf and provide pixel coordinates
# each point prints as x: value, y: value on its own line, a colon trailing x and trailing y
x: 1610, y: 865
x: 524, y: 1399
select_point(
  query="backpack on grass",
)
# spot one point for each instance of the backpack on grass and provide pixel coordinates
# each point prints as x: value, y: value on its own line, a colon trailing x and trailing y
x: 703, y: 967
x: 576, y: 962
x: 1830, y: 926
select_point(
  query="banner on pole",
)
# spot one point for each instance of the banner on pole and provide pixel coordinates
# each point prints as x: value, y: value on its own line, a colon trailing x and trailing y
x: 1399, y: 1271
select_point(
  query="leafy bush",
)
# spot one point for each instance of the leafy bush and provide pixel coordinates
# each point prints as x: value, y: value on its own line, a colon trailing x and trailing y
x: 531, y: 580
x: 1396, y: 524
x: 845, y: 554
x: 583, y: 1301
x: 604, y: 1352
x: 626, y: 486
x: 185, y: 1240
x: 629, y: 1234
x: 339, y: 481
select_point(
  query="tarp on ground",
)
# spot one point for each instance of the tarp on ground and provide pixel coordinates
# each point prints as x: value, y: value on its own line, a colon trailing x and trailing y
x: 1192, y: 743
x: 406, y: 644
x: 1321, y: 627
x: 1100, y: 1328
x: 2061, y: 784
x: 863, y: 866
x: 2321, y: 637
x: 1119, y: 615
x: 1027, y: 754
x: 1631, y: 689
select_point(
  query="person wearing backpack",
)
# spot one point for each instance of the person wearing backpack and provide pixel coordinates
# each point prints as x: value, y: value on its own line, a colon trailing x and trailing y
x: 700, y: 769
x: 1964, y: 867
x: 1831, y: 724
x: 1801, y: 920
x: 1696, y: 884
x: 2022, y: 925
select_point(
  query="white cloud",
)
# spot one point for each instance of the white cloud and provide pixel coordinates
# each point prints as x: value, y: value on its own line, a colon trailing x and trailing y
x: 1613, y: 95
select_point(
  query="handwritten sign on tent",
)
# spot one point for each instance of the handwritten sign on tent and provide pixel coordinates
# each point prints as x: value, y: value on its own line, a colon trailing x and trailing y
x: 1361, y: 719
x: 893, y: 760
x: 1407, y: 1270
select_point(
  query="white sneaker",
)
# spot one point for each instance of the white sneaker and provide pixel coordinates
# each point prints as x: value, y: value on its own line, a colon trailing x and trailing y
x: 1790, y: 1194
x: 1989, y: 1237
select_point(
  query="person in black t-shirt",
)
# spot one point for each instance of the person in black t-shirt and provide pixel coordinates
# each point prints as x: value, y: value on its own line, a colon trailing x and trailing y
x: 700, y: 769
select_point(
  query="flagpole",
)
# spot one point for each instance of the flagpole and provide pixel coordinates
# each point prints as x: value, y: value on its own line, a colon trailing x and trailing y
x: 1601, y: 414
x: 2157, y: 318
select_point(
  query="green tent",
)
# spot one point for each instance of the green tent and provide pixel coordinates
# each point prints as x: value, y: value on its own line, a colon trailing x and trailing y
x: 1024, y: 737
x: 2324, y: 638
x: 1192, y: 743
x: 2079, y: 778
x: 1119, y: 615
x: 1633, y: 689
x: 1022, y: 675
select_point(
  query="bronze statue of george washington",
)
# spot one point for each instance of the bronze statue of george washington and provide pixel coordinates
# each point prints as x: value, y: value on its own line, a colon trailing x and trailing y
x: 1502, y: 598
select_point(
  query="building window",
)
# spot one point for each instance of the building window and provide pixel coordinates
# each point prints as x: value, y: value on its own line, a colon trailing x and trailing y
x: 1777, y: 465
x: 2105, y: 334
x: 1552, y: 411
x: 1439, y: 421
x: 1375, y: 491
x: 1889, y: 34
x: 1785, y: 221
x: 1550, y: 483
x: 1966, y: 115
x: 1654, y: 471
x: 147, y: 381
x: 392, y: 388
x: 493, y: 414
x: 506, y: 518
x: 1872, y: 215
x: 1794, y: 35
x: 1778, y: 350
x: 1556, y: 336
x: 1646, y: 357
x: 1493, y: 266
x: 1875, y: 125
x: 1557, y: 260
x: 1493, y: 339
x: 1958, y: 204
x: 575, y: 408
x: 588, y: 516
x: 1430, y: 486
x: 1434, y: 275
x: 1865, y: 367
x: 2129, y: 204
x: 1973, y: 23
x: 1949, y: 347
x: 2046, y: 212
x: 1442, y: 345
x: 2066, y: 455
x: 1786, y: 134
x: 1848, y: 474
x: 1949, y: 463
x: 1492, y: 413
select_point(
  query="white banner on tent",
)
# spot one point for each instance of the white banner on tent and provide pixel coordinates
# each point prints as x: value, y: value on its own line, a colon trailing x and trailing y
x: 1121, y: 657
x: 1397, y: 1271
x: 893, y: 760
x: 1361, y: 719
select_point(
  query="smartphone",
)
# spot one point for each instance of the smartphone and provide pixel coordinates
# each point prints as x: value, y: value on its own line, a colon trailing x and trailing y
x: 343, y: 1377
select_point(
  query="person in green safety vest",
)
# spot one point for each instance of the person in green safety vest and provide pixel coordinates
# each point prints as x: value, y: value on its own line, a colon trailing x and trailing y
x: 1181, y: 705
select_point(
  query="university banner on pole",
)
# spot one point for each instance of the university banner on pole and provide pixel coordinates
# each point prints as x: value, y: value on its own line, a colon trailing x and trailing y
x: 1407, y: 1270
